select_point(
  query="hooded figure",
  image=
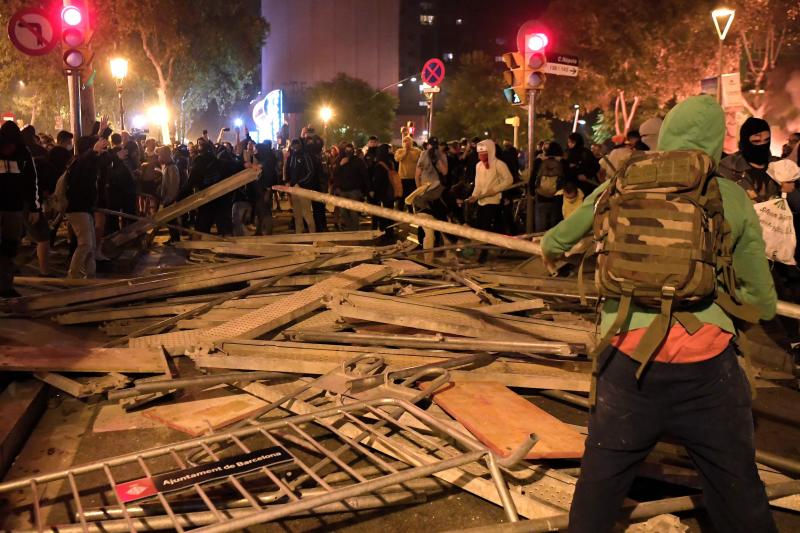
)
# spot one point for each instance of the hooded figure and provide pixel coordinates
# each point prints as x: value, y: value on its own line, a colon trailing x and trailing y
x: 703, y: 401
x: 492, y: 176
x: 748, y: 167
x: 649, y: 131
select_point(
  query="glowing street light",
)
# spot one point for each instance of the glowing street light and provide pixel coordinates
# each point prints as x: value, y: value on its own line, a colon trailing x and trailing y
x: 238, y: 122
x: 119, y: 69
x: 139, y: 122
x: 157, y: 114
x: 325, y: 113
x: 723, y: 19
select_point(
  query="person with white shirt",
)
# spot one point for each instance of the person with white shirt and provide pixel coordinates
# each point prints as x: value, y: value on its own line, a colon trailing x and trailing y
x: 492, y: 177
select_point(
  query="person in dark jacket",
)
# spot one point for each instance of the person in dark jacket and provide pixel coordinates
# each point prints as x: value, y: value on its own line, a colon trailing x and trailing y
x: 206, y: 171
x: 82, y: 192
x: 32, y: 142
x: 18, y: 194
x: 301, y: 172
x: 550, y: 178
x: 582, y: 167
x: 350, y: 180
x: 381, y: 192
x: 268, y: 177
x: 118, y: 188
x: 314, y: 146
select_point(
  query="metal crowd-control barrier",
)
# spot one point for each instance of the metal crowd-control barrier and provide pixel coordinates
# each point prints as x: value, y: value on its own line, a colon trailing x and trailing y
x: 77, y: 499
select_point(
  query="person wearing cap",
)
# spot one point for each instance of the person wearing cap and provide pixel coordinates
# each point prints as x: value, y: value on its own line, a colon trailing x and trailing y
x: 492, y: 177
x: 407, y: 157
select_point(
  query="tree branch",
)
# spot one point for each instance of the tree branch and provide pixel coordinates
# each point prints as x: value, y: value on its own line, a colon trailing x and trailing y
x: 149, y: 53
x: 778, y: 47
x: 747, y: 52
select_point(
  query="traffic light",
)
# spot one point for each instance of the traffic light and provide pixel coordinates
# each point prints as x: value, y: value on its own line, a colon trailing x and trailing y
x: 75, y: 34
x: 515, y: 78
x: 535, y: 59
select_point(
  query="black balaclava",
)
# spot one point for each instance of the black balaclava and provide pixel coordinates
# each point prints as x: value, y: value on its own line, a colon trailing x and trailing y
x: 758, y: 154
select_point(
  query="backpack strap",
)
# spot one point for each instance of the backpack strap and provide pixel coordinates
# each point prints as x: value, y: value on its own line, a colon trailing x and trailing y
x: 623, y: 312
x: 656, y: 332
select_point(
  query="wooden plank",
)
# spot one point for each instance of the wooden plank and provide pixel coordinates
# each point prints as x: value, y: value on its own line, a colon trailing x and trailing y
x: 50, y: 358
x: 265, y: 249
x: 453, y: 320
x: 260, y: 321
x: 113, y: 242
x: 331, y: 236
x: 22, y: 403
x: 198, y: 417
x: 513, y: 307
x: 114, y: 418
x: 502, y: 420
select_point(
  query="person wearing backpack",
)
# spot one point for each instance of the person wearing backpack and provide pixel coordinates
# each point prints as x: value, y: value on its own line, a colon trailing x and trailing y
x: 679, y: 254
x: 549, y: 180
x: 81, y: 182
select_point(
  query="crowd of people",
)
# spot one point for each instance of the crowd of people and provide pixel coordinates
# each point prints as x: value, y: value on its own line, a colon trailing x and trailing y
x: 98, y: 183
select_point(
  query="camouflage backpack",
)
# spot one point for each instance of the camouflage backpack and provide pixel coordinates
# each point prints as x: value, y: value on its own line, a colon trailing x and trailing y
x: 661, y: 242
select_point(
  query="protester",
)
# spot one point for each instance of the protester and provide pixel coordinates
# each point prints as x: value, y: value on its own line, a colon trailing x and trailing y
x: 350, y: 180
x: 581, y: 166
x: 32, y: 142
x: 82, y: 180
x: 381, y: 192
x: 492, y: 176
x: 171, y: 184
x: 206, y: 171
x: 649, y: 131
x: 301, y: 172
x: 748, y: 167
x: 18, y: 195
x: 550, y: 178
x: 694, y: 389
x: 407, y: 157
x: 267, y: 177
x: 117, y: 187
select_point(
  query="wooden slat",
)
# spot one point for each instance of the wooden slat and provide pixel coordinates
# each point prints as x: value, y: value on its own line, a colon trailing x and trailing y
x: 502, y: 420
x: 82, y: 359
x: 260, y: 321
x: 200, y: 416
x: 22, y: 402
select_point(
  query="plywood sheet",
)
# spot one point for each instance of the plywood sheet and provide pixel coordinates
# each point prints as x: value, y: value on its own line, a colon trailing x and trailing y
x: 51, y: 358
x: 197, y: 417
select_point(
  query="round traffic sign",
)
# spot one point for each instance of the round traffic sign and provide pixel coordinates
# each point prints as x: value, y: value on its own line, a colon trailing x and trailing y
x: 433, y: 72
x: 32, y: 31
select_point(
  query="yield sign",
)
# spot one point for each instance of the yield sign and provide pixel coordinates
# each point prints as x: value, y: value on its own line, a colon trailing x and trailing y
x: 433, y: 72
x: 32, y: 31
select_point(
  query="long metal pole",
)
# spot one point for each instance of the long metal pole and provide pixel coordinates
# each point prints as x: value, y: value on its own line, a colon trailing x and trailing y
x: 430, y: 116
x: 531, y: 158
x: 503, y: 241
x: 575, y: 120
x: 719, y: 79
x: 121, y: 107
x: 74, y: 88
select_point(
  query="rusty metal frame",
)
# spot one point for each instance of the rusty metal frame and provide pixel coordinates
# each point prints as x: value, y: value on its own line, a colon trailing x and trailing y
x: 98, y: 480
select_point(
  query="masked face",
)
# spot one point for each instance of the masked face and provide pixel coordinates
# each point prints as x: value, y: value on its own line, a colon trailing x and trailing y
x: 756, y: 149
x: 484, y: 158
x: 349, y: 151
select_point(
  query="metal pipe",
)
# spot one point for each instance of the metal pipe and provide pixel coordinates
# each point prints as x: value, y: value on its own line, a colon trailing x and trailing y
x: 74, y: 88
x: 466, y: 232
x: 190, y: 231
x: 430, y: 342
x: 568, y: 397
x: 779, y: 462
x: 182, y: 383
x: 529, y: 203
x: 639, y: 512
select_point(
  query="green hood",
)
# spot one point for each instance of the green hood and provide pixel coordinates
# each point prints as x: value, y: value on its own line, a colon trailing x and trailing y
x: 697, y: 123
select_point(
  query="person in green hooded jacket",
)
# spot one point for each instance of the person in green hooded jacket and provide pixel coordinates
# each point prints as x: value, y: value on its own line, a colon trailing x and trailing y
x: 694, y: 390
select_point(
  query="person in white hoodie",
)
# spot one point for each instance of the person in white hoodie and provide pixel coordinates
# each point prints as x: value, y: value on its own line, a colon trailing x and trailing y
x: 492, y: 177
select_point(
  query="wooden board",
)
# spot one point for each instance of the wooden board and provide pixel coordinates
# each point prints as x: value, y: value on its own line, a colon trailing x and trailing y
x: 197, y: 417
x: 502, y: 420
x: 114, y: 418
x: 50, y: 358
x: 21, y: 404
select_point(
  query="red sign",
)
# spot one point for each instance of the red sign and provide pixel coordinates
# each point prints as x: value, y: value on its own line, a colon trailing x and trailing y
x: 32, y: 31
x: 7, y: 116
x: 433, y: 72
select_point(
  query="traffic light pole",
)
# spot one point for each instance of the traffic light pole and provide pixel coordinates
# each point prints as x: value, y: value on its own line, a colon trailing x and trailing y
x: 529, y: 215
x: 74, y: 88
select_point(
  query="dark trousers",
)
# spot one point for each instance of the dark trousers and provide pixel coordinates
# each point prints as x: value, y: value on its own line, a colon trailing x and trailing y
x: 409, y: 185
x: 380, y: 222
x: 320, y: 216
x: 705, y: 406
x: 547, y: 213
x: 217, y: 212
x: 11, y: 229
x: 488, y: 219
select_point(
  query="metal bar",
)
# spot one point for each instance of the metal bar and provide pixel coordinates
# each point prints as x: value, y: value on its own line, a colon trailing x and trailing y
x: 161, y: 498
x: 430, y: 342
x: 400, y: 216
x: 155, y: 222
x: 182, y: 383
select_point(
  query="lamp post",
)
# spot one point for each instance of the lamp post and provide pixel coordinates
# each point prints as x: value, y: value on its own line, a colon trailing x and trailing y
x: 577, y: 109
x: 119, y: 69
x: 326, y: 113
x: 723, y: 19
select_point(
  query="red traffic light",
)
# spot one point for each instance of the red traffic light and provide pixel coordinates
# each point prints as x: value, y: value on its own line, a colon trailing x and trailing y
x: 536, y: 42
x: 71, y: 16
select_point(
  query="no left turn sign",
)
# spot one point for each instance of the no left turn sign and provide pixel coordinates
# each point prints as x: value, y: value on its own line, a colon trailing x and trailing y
x: 32, y: 31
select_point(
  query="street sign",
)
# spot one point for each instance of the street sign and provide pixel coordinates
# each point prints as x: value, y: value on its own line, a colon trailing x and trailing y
x: 732, y: 91
x: 433, y: 72
x: 563, y: 59
x: 32, y: 31
x: 431, y: 90
x: 557, y: 69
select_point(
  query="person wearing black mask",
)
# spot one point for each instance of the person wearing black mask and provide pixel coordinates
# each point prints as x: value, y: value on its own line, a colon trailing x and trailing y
x: 381, y: 192
x: 350, y: 180
x: 18, y: 194
x: 313, y: 146
x: 748, y: 167
x: 300, y: 171
x: 207, y: 170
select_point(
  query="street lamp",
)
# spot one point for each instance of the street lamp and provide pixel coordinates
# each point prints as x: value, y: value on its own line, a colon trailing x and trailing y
x: 577, y: 109
x: 119, y: 69
x: 723, y: 19
x: 326, y: 113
